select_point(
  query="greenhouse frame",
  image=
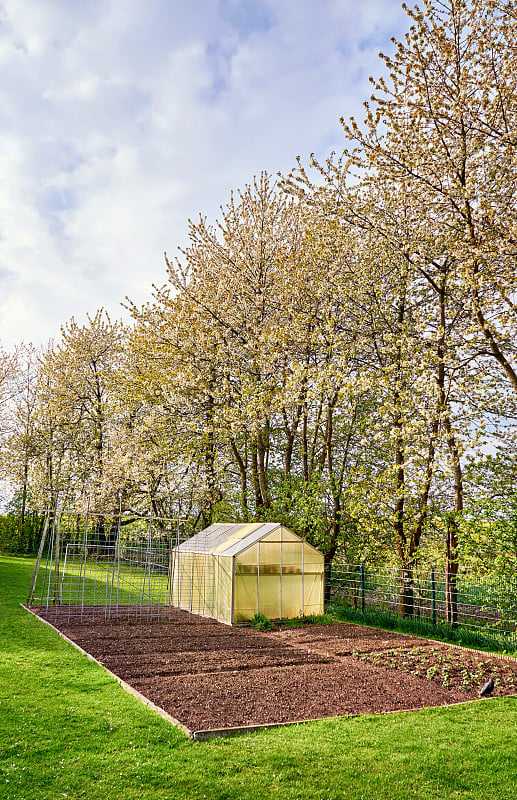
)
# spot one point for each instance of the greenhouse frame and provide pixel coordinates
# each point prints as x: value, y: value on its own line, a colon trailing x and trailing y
x: 230, y: 572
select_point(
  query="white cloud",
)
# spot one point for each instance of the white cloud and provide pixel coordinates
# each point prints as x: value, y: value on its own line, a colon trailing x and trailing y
x: 122, y: 119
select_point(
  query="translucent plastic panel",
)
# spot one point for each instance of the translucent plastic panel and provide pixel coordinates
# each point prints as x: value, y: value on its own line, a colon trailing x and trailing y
x: 179, y: 589
x: 237, y: 533
x: 313, y: 594
x: 269, y: 555
x: 269, y: 595
x: 245, y: 597
x: 210, y: 600
x: 195, y: 583
x: 291, y: 558
x: 248, y: 558
x: 185, y: 563
x: 246, y: 587
x: 292, y: 596
x: 289, y: 536
x: 224, y: 589
x: 201, y: 581
x: 274, y: 536
x: 312, y: 558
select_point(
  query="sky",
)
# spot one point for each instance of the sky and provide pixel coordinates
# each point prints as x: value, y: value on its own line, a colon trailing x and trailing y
x: 122, y: 119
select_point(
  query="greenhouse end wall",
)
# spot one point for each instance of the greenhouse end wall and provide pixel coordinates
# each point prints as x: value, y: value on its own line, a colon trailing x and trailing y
x: 280, y: 579
x: 202, y: 584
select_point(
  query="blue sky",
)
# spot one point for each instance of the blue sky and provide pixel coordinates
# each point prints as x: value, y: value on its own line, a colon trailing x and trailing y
x: 120, y: 119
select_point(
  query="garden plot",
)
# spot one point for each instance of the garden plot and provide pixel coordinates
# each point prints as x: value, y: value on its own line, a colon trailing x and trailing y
x: 210, y: 676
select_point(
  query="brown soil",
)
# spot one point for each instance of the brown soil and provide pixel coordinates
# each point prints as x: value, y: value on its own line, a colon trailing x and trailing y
x: 209, y: 675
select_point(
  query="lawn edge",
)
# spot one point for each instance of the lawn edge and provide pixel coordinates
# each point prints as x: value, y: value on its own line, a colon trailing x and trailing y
x: 126, y: 686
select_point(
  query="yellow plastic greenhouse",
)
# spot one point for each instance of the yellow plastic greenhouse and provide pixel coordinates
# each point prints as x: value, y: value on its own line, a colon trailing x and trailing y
x: 231, y: 572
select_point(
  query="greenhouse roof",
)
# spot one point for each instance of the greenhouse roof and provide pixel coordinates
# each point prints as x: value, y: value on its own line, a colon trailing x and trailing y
x: 230, y: 538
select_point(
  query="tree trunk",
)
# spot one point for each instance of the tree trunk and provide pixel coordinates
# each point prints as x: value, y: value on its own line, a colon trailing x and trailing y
x: 451, y: 589
x: 305, y: 447
x: 261, y: 467
x: 288, y: 457
x: 100, y: 533
x: 214, y: 493
x: 452, y: 563
x: 259, y: 507
x: 24, y: 493
x: 113, y: 532
x: 336, y: 497
x: 406, y: 587
x: 243, y: 478
x: 452, y: 566
x: 407, y: 595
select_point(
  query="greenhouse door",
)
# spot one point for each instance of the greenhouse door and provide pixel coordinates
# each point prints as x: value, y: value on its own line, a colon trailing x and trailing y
x: 269, y: 580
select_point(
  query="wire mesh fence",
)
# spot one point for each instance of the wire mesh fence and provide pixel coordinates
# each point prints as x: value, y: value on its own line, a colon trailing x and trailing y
x: 105, y: 569
x: 485, y: 604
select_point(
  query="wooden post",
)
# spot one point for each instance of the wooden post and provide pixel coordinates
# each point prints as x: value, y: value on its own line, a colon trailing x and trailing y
x: 57, y: 547
x: 32, y: 589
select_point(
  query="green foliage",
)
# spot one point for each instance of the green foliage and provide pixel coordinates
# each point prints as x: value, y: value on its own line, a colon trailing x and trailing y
x: 488, y: 536
x: 18, y: 538
x: 306, y: 507
x: 261, y: 623
x: 312, y: 619
x: 320, y: 619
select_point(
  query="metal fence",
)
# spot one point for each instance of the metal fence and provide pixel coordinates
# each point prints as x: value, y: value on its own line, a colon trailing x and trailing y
x: 104, y: 572
x: 483, y: 604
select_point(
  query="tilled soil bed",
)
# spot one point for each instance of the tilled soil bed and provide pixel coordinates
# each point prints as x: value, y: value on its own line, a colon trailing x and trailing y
x: 208, y: 675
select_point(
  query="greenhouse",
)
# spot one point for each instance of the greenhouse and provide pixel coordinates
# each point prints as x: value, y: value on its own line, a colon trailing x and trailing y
x: 231, y: 572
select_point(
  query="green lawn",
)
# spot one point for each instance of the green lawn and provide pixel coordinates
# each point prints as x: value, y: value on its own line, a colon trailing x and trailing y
x: 68, y: 730
x: 92, y: 582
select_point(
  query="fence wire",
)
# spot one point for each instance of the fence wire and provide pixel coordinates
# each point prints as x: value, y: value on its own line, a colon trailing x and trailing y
x: 485, y: 604
x: 109, y: 573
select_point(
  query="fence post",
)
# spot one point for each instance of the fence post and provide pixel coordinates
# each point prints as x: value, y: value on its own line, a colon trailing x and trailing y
x: 433, y: 596
x: 38, y: 560
x: 362, y: 589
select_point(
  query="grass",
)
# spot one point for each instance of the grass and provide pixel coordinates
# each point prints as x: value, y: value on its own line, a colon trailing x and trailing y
x: 92, y: 582
x: 68, y: 730
x: 312, y: 619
